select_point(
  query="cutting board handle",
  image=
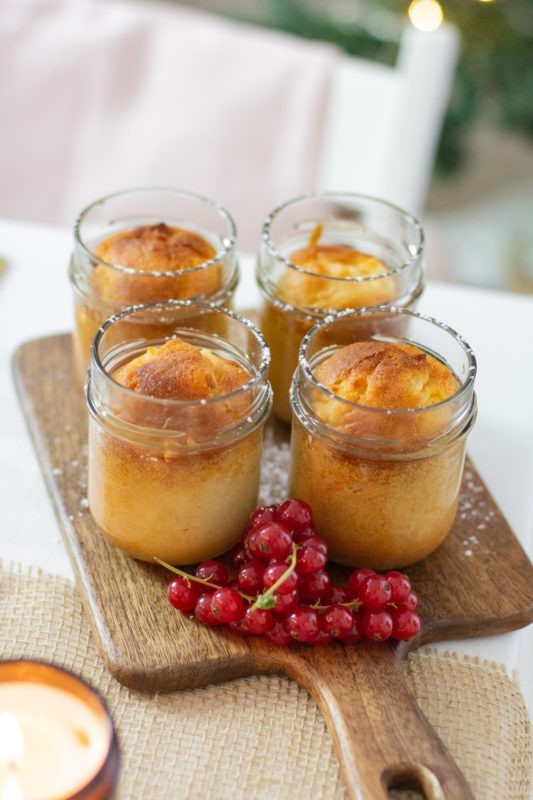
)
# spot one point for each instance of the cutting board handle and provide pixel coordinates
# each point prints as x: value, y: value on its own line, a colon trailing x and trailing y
x: 382, y: 739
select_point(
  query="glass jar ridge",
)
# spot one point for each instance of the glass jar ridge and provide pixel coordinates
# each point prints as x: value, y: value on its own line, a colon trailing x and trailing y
x: 203, y: 266
x: 384, y: 481
x: 353, y: 251
x: 176, y: 478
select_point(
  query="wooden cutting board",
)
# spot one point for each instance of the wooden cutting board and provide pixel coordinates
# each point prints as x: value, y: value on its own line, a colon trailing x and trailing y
x: 479, y: 582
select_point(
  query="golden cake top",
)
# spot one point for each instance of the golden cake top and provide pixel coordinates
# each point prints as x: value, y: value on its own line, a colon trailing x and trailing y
x: 178, y: 370
x: 153, y: 249
x: 322, y: 262
x: 386, y: 375
x: 383, y: 375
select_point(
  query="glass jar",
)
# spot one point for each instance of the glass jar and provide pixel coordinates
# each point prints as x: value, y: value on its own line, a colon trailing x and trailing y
x: 175, y: 478
x: 383, y: 482
x: 144, y: 245
x: 325, y: 253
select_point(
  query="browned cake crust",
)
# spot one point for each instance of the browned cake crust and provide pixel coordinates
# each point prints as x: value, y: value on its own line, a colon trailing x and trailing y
x: 154, y: 249
x: 337, y: 260
x: 334, y: 261
x: 180, y: 371
x: 384, y: 375
x: 381, y: 375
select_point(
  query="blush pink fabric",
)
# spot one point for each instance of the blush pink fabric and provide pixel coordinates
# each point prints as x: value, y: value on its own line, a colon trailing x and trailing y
x: 98, y: 96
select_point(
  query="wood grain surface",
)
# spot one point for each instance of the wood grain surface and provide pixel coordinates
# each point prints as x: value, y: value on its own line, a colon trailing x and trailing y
x: 478, y: 582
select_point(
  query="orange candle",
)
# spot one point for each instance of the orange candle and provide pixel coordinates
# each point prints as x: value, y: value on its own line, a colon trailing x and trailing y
x: 56, y: 737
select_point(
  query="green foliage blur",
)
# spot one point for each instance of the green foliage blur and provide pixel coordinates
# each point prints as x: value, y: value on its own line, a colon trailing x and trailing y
x: 494, y: 78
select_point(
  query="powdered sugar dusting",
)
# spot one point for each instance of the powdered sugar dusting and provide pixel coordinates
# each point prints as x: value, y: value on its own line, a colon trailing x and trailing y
x: 474, y: 507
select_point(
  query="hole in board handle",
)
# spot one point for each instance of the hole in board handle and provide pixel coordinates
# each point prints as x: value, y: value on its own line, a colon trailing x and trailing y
x: 420, y: 782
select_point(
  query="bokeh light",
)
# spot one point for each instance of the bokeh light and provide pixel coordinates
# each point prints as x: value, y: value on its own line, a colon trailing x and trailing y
x: 426, y: 15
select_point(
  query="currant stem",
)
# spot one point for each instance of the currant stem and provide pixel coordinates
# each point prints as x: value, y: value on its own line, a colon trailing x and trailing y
x: 355, y: 604
x: 189, y: 577
x: 186, y: 575
x: 271, y: 590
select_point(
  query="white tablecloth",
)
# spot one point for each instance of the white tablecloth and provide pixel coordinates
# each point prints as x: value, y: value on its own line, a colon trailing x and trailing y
x: 36, y: 300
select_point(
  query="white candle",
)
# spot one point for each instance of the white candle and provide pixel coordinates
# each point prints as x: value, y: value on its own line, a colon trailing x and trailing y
x: 54, y: 738
x: 12, y: 789
x: 11, y: 752
x: 11, y: 742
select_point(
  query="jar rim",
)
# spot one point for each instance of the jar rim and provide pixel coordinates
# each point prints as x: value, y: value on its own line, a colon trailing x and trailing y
x: 260, y: 375
x: 410, y: 218
x: 46, y: 669
x: 228, y: 242
x: 320, y: 313
x: 464, y: 390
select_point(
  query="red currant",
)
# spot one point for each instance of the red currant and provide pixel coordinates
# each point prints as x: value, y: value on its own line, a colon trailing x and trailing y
x: 262, y: 515
x: 227, y: 604
x: 303, y: 624
x: 283, y: 603
x: 309, y: 560
x: 322, y: 638
x: 337, y: 594
x: 278, y: 635
x: 375, y: 625
x: 203, y: 610
x: 313, y: 587
x: 250, y: 577
x: 238, y: 554
x: 296, y: 514
x: 274, y: 573
x: 400, y: 586
x: 355, y: 634
x: 411, y: 602
x: 271, y: 540
x: 258, y: 621
x: 338, y: 621
x: 386, y: 603
x: 183, y: 594
x: 249, y: 546
x: 309, y: 531
x: 239, y: 626
x: 312, y: 540
x: 374, y: 591
x: 358, y: 577
x: 213, y: 571
x: 405, y: 623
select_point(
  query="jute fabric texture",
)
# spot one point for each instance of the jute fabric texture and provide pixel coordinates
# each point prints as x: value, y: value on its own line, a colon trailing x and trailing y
x: 262, y: 738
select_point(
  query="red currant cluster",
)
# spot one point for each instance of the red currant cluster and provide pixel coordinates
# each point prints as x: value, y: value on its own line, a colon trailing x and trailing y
x: 282, y: 589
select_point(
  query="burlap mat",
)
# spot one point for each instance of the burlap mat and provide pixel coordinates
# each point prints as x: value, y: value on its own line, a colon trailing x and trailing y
x: 262, y: 737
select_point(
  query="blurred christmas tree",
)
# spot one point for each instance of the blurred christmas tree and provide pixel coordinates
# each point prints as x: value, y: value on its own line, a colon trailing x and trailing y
x: 494, y: 79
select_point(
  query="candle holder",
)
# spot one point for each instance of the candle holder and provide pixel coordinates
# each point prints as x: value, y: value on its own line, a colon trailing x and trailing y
x: 57, y: 739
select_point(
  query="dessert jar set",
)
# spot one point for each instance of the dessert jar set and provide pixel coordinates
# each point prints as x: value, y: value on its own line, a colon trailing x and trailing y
x: 381, y: 398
